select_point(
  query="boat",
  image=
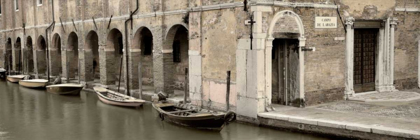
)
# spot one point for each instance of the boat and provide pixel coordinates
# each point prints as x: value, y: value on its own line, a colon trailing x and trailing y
x: 34, y: 83
x: 117, y: 99
x: 15, y: 78
x: 188, y: 116
x: 65, y: 89
x: 2, y: 73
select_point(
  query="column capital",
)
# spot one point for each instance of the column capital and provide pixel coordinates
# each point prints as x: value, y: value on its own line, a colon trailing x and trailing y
x: 349, y: 21
x: 393, y: 21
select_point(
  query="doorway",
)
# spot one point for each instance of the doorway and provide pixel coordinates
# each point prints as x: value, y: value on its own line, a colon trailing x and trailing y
x: 285, y: 68
x: 365, y: 44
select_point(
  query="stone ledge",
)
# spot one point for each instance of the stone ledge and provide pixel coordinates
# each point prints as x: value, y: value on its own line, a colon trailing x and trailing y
x: 368, y: 129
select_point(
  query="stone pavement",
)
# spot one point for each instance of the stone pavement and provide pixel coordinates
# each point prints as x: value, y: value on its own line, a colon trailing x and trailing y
x: 390, y: 116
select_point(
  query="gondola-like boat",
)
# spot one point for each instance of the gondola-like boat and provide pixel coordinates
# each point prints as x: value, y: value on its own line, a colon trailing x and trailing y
x: 15, y: 78
x: 34, y: 83
x: 65, y: 89
x: 118, y: 99
x: 189, y: 116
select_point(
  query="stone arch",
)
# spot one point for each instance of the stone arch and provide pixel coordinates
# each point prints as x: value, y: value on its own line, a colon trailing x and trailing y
x: 55, y: 55
x: 114, y: 55
x: 28, y: 53
x: 8, y: 59
x: 176, y: 59
x: 72, y: 55
x: 297, y: 97
x: 41, y: 55
x: 142, y: 54
x: 91, y: 57
x: 17, y: 51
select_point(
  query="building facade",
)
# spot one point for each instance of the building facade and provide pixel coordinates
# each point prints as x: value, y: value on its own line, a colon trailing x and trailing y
x: 289, y: 52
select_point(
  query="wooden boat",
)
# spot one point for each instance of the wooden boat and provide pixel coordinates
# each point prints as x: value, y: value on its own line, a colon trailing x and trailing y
x: 195, y: 118
x: 65, y: 89
x: 118, y: 99
x: 2, y: 73
x: 15, y: 78
x: 34, y: 83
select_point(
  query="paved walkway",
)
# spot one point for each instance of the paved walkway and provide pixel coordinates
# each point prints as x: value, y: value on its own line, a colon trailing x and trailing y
x: 394, y: 114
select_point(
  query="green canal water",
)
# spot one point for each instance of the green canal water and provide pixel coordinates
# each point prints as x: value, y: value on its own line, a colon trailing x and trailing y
x: 27, y: 114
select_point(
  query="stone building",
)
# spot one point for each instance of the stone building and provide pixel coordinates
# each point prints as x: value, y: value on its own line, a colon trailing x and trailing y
x: 300, y: 52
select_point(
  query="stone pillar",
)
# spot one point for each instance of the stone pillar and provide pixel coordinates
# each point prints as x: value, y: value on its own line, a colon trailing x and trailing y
x: 103, y: 65
x: 302, y: 43
x: 135, y: 60
x: 349, y: 91
x: 392, y: 51
x: 195, y: 58
x: 418, y: 64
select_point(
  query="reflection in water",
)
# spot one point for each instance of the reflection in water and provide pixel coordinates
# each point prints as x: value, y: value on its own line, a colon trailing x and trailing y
x: 34, y: 114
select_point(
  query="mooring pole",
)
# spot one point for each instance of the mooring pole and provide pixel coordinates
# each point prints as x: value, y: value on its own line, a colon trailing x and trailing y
x: 186, y: 86
x: 140, y: 82
x: 119, y: 79
x: 227, y: 90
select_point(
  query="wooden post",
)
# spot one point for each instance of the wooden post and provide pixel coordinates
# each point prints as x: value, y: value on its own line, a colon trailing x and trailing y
x: 140, y: 82
x: 227, y: 90
x: 78, y: 68
x: 186, y: 86
x: 119, y: 79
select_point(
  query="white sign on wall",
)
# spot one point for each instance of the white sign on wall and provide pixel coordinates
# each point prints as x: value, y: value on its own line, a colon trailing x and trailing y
x: 325, y: 22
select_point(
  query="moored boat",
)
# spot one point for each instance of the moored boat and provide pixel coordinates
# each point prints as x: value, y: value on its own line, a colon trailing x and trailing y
x: 34, y: 83
x: 115, y: 98
x: 195, y: 118
x: 2, y: 73
x: 15, y: 78
x: 65, y: 89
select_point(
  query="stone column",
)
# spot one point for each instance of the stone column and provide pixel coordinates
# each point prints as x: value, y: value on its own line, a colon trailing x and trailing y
x: 195, y: 58
x: 392, y: 48
x: 349, y: 57
x: 418, y: 64
x: 302, y: 43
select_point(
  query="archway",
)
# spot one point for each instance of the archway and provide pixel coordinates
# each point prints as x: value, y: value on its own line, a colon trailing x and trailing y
x: 28, y: 53
x: 92, y: 63
x: 55, y: 56
x: 18, y: 55
x: 142, y: 54
x: 285, y: 65
x: 41, y: 55
x: 176, y: 63
x: 8, y: 55
x: 72, y: 55
x: 114, y: 57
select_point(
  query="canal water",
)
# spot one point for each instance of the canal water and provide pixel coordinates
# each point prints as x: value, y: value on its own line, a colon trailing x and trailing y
x: 27, y: 114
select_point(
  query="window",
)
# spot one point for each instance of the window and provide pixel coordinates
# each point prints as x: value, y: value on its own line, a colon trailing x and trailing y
x: 17, y: 5
x: 39, y: 2
x: 177, y: 51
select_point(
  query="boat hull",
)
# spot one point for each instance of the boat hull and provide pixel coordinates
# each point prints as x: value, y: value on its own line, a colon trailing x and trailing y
x: 65, y: 90
x: 13, y: 79
x: 33, y: 84
x: 203, y: 120
x: 210, y: 123
x: 124, y: 104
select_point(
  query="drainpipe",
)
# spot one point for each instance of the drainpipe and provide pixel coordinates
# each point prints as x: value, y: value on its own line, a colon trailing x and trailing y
x: 126, y: 45
x: 46, y: 41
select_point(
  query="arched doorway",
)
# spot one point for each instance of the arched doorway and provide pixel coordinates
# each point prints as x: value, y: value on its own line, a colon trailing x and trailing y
x: 28, y: 53
x: 142, y: 54
x: 285, y: 65
x: 18, y: 55
x: 41, y: 56
x: 92, y: 63
x: 8, y: 55
x: 114, y: 57
x: 72, y: 59
x: 55, y: 56
x: 177, y: 62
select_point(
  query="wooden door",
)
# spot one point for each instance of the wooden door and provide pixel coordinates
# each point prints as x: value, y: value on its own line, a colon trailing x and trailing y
x: 365, y: 44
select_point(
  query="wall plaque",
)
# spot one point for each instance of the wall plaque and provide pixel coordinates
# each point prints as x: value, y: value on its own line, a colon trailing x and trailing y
x: 325, y: 22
